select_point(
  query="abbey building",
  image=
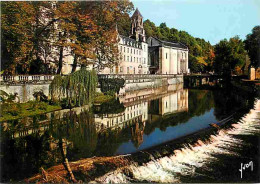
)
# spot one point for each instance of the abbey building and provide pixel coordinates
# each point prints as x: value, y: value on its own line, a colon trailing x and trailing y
x: 148, y: 56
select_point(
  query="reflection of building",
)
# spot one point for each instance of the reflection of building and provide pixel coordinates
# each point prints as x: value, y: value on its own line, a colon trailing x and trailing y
x: 138, y: 109
x: 172, y: 103
x: 137, y: 133
x: 133, y: 113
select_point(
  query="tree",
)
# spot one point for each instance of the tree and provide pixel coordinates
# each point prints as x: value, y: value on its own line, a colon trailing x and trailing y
x: 230, y: 56
x: 17, y: 35
x: 252, y: 45
x: 106, y: 14
x: 23, y: 31
x: 43, y: 32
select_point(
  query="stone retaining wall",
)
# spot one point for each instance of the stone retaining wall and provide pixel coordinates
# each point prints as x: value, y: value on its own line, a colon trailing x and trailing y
x: 25, y: 90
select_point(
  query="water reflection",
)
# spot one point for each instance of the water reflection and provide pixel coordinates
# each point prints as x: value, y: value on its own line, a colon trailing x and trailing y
x: 136, y: 121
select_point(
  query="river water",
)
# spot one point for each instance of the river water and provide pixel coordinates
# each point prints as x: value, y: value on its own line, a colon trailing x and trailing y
x: 170, y: 124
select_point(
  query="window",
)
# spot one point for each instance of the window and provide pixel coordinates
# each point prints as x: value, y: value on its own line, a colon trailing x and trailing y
x: 139, y: 52
x: 134, y: 59
x: 121, y: 48
x: 131, y: 58
x: 131, y: 51
x: 134, y: 51
x: 127, y: 58
x: 166, y: 55
x: 124, y: 57
x: 140, y: 60
x: 124, y: 49
x: 127, y: 50
x: 134, y: 70
x: 127, y: 70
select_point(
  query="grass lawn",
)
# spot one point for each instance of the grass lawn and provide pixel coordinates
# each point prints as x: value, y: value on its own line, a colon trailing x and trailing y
x: 11, y: 111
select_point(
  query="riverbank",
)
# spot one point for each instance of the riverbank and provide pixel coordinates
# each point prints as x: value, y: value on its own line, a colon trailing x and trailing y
x: 248, y: 86
x: 12, y: 111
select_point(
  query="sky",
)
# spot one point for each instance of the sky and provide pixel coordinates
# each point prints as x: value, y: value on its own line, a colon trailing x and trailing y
x: 212, y: 20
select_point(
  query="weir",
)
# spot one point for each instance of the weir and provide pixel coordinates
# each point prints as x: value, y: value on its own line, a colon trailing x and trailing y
x: 193, y: 160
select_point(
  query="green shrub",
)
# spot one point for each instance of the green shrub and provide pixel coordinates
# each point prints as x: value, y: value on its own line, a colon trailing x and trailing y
x: 107, y: 84
x: 40, y: 96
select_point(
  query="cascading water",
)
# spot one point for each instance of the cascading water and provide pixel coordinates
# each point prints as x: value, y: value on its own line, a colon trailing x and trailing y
x: 190, y: 160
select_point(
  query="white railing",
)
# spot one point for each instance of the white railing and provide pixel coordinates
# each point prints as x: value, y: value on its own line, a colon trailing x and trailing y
x: 26, y: 78
x: 46, y: 78
x: 139, y: 76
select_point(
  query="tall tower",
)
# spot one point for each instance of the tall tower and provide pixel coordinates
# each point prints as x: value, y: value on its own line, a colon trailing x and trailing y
x: 137, y: 28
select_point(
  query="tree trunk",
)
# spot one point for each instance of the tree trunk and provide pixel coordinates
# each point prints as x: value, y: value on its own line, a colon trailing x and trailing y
x: 60, y: 61
x: 60, y: 64
x: 75, y: 63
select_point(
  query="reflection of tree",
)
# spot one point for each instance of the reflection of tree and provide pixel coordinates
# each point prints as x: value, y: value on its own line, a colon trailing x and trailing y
x: 111, y: 107
x: 229, y: 101
x: 22, y: 157
x: 80, y: 130
x: 200, y: 101
x: 110, y: 140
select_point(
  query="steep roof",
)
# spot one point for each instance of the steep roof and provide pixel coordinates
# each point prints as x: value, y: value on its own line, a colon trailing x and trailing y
x: 171, y: 44
x: 137, y: 13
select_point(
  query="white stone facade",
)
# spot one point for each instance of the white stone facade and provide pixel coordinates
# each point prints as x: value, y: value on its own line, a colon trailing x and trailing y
x: 133, y: 50
x: 167, y: 57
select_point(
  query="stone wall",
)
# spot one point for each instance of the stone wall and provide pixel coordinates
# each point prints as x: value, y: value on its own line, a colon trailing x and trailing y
x: 132, y: 85
x: 25, y: 91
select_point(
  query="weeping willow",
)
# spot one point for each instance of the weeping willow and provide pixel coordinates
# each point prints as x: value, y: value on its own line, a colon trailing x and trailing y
x: 76, y: 89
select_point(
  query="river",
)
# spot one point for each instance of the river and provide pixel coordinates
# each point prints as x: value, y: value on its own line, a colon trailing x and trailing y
x: 171, y: 124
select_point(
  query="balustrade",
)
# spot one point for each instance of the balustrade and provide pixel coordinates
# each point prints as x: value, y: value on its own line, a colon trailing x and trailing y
x: 138, y: 76
x: 46, y: 78
x: 26, y: 78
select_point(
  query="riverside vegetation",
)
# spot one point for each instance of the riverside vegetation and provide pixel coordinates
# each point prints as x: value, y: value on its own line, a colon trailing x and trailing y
x: 74, y: 90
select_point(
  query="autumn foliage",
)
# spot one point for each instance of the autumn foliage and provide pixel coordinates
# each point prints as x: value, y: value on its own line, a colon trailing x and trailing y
x: 37, y: 33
